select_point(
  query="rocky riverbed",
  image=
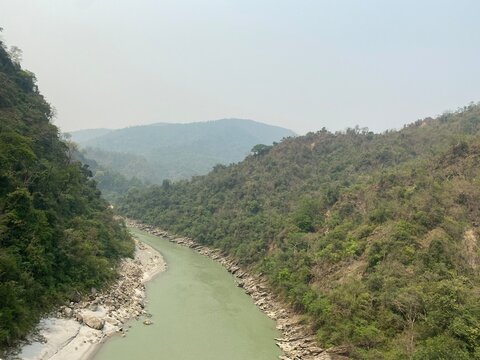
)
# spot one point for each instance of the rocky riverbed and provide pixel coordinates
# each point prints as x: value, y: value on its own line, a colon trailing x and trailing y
x: 297, y: 341
x: 77, y: 329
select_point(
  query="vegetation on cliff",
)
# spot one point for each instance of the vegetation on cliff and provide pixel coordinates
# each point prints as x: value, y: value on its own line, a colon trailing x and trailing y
x: 374, y: 237
x: 57, y: 235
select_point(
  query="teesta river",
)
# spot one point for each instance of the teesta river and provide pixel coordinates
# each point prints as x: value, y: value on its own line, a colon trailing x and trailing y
x: 198, y: 313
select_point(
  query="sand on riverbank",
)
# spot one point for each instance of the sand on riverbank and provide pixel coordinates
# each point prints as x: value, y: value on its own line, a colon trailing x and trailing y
x: 67, y: 335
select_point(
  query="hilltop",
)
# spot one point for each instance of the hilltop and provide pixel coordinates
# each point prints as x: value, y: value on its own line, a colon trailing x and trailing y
x: 82, y: 136
x: 162, y: 151
x: 373, y: 237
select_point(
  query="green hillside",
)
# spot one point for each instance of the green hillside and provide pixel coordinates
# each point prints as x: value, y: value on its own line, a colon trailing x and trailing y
x: 161, y: 151
x: 57, y: 236
x: 112, y: 183
x: 374, y: 237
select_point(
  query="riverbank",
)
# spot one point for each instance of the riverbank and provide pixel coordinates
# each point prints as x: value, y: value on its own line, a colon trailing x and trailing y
x: 297, y: 341
x: 76, y: 331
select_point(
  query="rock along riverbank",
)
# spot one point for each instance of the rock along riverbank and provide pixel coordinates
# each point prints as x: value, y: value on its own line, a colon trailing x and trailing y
x: 298, y: 341
x: 76, y: 331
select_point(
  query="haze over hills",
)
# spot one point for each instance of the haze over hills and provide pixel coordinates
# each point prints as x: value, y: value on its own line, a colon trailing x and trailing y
x: 338, y: 244
x: 82, y: 136
x: 373, y: 236
x: 161, y: 151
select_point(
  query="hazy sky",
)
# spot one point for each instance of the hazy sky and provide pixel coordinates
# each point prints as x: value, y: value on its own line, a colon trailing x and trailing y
x: 298, y: 64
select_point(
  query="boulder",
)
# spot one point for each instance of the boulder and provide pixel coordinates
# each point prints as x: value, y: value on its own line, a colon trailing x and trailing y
x: 93, y: 322
x: 67, y: 312
x: 112, y: 321
x: 75, y: 296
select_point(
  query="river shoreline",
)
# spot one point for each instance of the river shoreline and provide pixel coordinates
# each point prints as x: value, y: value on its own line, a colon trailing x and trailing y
x: 77, y: 330
x: 297, y: 342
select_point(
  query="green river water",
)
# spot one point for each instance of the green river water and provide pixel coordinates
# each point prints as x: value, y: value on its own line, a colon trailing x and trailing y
x: 198, y: 314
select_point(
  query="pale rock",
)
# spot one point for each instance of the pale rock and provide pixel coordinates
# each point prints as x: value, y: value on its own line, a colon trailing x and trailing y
x: 93, y: 322
x: 67, y: 312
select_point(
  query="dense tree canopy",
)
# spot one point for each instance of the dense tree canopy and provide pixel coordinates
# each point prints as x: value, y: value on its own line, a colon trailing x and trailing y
x: 57, y: 235
x: 374, y: 237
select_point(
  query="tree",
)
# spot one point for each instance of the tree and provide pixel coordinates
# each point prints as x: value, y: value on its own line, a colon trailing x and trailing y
x: 16, y: 54
x: 260, y: 149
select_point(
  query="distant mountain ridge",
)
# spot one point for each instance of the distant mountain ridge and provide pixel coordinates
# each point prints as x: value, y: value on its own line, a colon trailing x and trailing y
x: 138, y: 139
x: 175, y: 151
x: 88, y: 134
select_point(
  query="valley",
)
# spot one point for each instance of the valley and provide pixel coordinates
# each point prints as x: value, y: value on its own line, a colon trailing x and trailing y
x: 151, y: 232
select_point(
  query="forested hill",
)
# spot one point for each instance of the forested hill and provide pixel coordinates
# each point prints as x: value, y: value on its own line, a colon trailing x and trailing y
x: 175, y: 151
x: 57, y: 236
x: 373, y: 236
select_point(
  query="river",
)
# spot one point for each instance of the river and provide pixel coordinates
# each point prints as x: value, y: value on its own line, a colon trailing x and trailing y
x: 198, y: 314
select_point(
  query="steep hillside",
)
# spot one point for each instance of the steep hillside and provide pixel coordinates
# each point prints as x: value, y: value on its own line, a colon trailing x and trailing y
x: 57, y: 236
x: 112, y: 184
x: 374, y: 237
x: 176, y: 151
